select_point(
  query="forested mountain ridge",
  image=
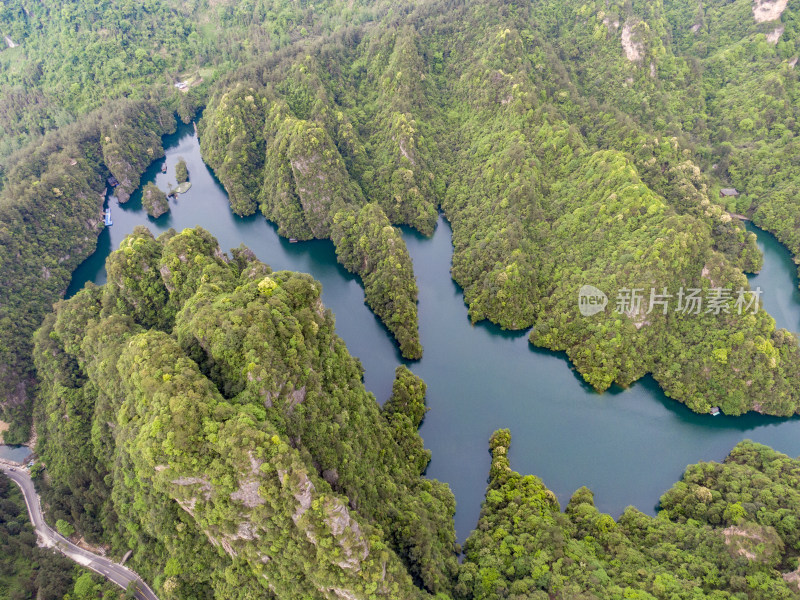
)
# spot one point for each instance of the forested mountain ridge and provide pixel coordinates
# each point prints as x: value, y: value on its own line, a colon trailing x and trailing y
x: 508, y: 116
x: 308, y: 191
x: 726, y: 530
x: 201, y: 409
x: 70, y: 58
x: 50, y: 216
x: 721, y: 75
x: 488, y: 114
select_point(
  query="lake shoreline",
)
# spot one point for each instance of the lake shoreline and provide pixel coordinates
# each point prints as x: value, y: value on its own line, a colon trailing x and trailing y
x: 479, y: 377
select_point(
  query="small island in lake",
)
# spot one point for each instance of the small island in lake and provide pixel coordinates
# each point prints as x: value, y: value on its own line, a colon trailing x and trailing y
x: 181, y: 172
x: 154, y: 201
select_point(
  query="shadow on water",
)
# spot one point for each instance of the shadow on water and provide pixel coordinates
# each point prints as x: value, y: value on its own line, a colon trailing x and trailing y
x: 628, y: 445
x: 206, y: 204
x: 778, y: 280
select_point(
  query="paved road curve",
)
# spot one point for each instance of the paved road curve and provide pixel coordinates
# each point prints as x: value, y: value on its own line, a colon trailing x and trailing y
x: 52, y: 539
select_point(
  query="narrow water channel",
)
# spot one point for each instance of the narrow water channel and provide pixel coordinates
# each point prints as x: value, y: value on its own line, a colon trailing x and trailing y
x: 628, y: 446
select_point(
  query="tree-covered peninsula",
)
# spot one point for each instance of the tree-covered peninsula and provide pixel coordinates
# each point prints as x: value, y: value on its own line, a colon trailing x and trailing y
x: 725, y: 531
x: 201, y: 410
x: 549, y: 184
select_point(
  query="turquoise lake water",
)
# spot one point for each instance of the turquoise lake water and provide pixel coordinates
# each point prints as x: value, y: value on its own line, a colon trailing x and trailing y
x: 629, y: 446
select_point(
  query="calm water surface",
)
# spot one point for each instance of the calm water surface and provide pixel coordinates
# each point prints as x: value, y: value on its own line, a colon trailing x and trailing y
x: 628, y: 446
x: 14, y: 453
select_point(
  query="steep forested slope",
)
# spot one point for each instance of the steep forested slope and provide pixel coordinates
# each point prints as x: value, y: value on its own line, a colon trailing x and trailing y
x: 499, y: 113
x: 718, y: 75
x: 555, y: 148
x: 60, y: 60
x: 50, y: 215
x: 201, y: 409
x: 725, y: 531
x: 25, y: 570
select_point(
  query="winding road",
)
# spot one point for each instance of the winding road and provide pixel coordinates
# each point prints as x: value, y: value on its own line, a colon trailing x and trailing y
x: 112, y: 571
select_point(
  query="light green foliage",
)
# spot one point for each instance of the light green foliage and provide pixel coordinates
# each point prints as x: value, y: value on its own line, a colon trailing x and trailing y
x: 85, y: 588
x: 754, y: 484
x: 524, y: 547
x: 215, y: 407
x: 154, y: 200
x: 64, y: 528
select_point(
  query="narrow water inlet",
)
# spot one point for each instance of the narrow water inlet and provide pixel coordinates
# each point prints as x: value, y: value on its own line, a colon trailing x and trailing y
x: 629, y: 446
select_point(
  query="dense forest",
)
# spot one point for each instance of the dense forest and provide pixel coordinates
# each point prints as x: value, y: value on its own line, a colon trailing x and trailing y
x: 550, y: 179
x: 70, y: 58
x: 726, y: 530
x: 27, y: 572
x: 50, y: 216
x: 201, y: 410
x: 567, y: 143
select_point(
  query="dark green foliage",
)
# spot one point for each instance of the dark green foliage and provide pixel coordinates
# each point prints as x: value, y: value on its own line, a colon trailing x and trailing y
x: 754, y: 484
x: 233, y: 146
x: 524, y: 547
x: 408, y: 397
x: 50, y: 215
x: 561, y: 158
x: 154, y: 200
x: 26, y: 571
x: 307, y: 189
x: 201, y: 410
x: 181, y: 172
x: 131, y: 140
x: 208, y: 397
x: 367, y: 244
x: 73, y: 58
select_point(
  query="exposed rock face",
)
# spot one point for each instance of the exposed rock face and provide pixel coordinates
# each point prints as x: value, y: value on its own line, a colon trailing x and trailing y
x: 154, y: 201
x: 774, y: 35
x: 247, y: 494
x: 768, y: 10
x: 612, y: 26
x: 793, y: 577
x: 634, y: 50
x: 752, y: 541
